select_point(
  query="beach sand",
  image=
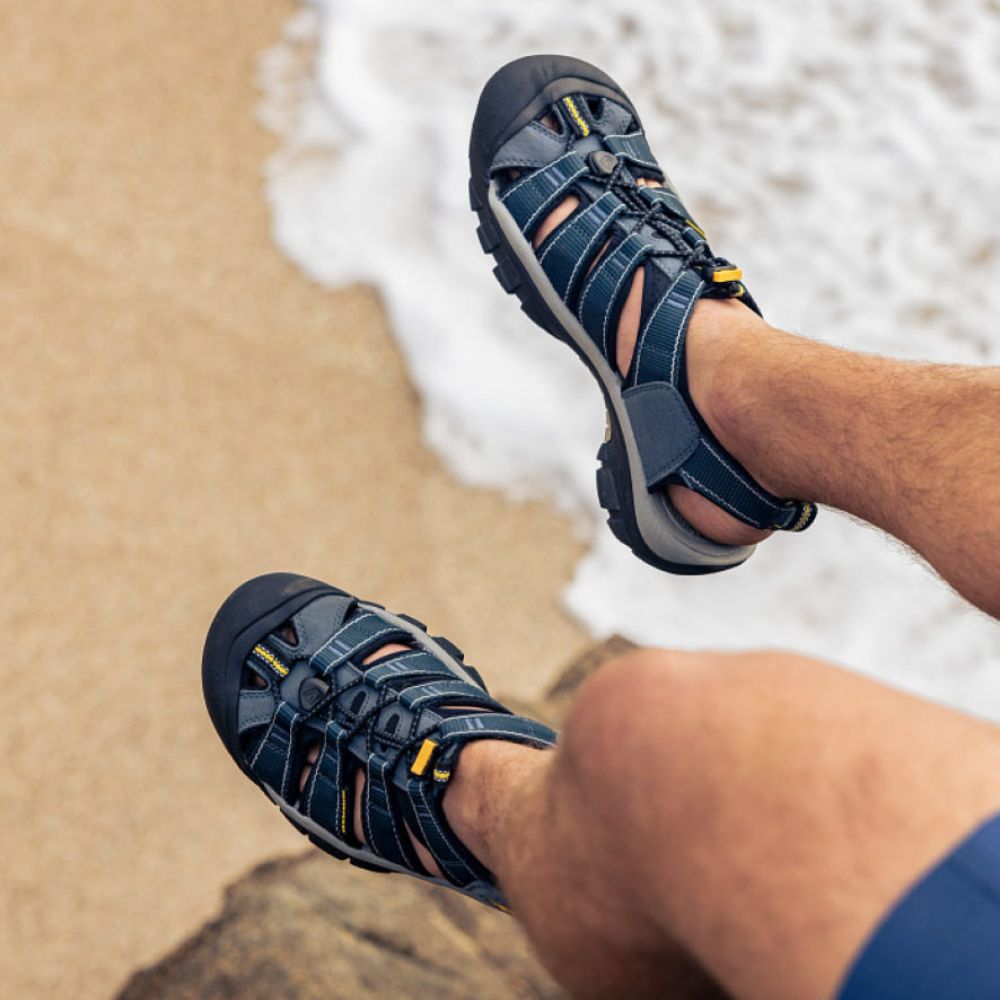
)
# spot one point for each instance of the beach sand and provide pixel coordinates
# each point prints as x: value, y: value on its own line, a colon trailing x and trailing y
x: 181, y: 409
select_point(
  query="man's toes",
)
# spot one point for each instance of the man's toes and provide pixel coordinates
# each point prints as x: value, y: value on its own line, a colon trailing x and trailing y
x: 555, y: 218
x: 311, y: 755
x: 628, y: 323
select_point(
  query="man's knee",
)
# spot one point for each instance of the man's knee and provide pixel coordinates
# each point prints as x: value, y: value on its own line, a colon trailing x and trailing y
x: 634, y: 710
x: 656, y: 722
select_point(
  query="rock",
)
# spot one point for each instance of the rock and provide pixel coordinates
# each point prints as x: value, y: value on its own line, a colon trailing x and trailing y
x: 305, y: 927
x: 561, y: 694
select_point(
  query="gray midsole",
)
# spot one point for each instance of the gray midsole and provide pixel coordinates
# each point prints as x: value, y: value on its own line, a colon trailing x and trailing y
x: 661, y: 527
x: 360, y: 853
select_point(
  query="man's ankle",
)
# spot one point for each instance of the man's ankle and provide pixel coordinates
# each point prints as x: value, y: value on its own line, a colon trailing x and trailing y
x: 489, y: 776
x: 722, y: 340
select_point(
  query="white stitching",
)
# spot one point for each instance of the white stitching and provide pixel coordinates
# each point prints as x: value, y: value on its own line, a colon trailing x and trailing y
x: 430, y: 813
x: 343, y: 657
x: 566, y: 230
x: 695, y: 295
x: 457, y: 687
x: 368, y: 803
x: 288, y: 755
x: 315, y: 774
x: 392, y: 818
x: 534, y: 173
x: 263, y: 742
x: 551, y: 198
x: 637, y: 354
x: 602, y: 263
x: 632, y: 156
x: 406, y: 675
x: 430, y: 691
x: 340, y: 631
x: 759, y: 496
x: 510, y: 736
x: 627, y: 272
x: 585, y: 256
x: 396, y: 659
x: 689, y: 479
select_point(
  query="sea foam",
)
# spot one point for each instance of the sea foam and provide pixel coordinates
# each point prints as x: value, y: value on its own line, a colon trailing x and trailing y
x: 844, y: 154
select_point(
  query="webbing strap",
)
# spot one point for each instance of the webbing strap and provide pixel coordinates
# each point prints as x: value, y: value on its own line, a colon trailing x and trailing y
x: 362, y: 632
x: 382, y: 833
x: 458, y: 692
x: 660, y: 345
x: 718, y: 476
x: 566, y: 256
x: 608, y: 281
x: 414, y: 664
x: 271, y: 762
x: 325, y: 798
x: 454, y: 861
x: 632, y: 147
x: 531, y: 198
x: 513, y: 727
x: 667, y: 198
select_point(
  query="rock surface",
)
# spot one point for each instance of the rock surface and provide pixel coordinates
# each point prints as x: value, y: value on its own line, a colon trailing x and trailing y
x: 303, y: 927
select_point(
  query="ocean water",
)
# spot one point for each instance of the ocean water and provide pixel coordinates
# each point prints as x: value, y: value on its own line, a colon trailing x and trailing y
x: 845, y: 154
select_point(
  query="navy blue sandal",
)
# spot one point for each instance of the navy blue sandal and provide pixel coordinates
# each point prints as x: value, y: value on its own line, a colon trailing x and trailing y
x: 522, y: 170
x: 283, y: 674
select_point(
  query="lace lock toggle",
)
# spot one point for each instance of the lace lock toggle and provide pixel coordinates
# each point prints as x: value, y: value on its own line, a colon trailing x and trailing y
x: 423, y: 758
x: 724, y: 275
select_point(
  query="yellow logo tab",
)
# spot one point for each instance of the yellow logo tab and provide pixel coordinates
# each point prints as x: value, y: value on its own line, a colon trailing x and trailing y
x: 578, y: 119
x: 271, y: 660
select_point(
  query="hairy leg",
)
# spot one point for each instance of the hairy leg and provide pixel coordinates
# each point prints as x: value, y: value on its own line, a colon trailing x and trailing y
x: 908, y: 447
x: 750, y: 815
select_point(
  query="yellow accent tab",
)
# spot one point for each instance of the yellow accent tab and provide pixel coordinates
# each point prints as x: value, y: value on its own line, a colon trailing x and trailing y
x: 423, y: 757
x: 343, y: 810
x: 577, y: 117
x: 441, y: 775
x: 729, y: 274
x: 694, y: 225
x: 269, y: 658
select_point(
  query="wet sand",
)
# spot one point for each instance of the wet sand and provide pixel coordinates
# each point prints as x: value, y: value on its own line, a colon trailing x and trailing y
x: 181, y: 409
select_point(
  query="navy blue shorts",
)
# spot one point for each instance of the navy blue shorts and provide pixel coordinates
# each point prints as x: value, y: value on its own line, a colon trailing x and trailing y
x: 942, y: 940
